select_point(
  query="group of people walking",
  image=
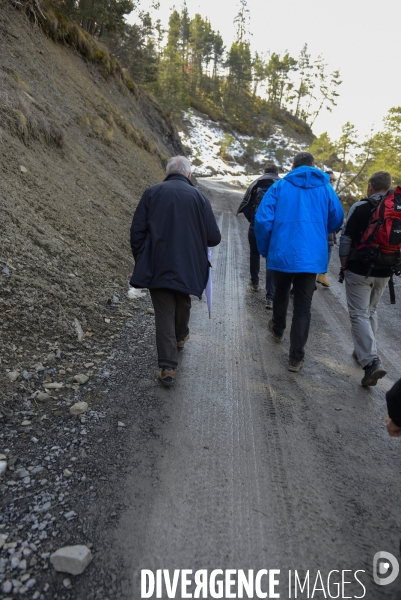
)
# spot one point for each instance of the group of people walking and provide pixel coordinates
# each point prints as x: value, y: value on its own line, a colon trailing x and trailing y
x: 292, y: 221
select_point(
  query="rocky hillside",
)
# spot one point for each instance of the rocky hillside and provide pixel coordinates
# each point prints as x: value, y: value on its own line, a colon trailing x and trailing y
x: 78, y: 147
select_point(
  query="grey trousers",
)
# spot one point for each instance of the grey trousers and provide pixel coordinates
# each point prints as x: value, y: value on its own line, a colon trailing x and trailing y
x: 363, y: 295
x: 172, y: 311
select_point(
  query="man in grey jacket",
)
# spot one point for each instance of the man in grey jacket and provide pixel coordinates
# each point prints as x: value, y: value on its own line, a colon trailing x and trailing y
x: 364, y: 286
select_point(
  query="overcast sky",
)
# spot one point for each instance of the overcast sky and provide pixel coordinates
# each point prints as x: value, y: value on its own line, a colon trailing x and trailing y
x: 359, y: 38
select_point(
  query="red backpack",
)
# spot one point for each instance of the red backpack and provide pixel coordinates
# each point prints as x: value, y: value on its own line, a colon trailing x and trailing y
x: 380, y: 245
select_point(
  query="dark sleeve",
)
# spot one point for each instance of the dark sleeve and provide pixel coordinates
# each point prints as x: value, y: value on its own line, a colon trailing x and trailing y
x: 245, y: 207
x: 393, y: 398
x: 212, y: 230
x: 139, y: 226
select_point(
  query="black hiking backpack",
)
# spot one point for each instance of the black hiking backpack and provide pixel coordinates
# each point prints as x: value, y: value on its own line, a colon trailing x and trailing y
x: 254, y: 195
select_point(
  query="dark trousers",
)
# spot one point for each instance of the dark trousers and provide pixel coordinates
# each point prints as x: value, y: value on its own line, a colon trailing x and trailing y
x: 303, y: 286
x: 172, y: 312
x: 254, y: 264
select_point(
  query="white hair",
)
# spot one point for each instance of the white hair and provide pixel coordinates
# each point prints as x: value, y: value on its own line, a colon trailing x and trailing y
x: 179, y: 164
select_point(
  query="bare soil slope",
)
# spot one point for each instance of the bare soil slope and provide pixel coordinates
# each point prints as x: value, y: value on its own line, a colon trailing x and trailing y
x: 77, y: 150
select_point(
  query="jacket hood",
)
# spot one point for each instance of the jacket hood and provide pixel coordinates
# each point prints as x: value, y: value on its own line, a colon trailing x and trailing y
x: 375, y: 199
x: 307, y: 177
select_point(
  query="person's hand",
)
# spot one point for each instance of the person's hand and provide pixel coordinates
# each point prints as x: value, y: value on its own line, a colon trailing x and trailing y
x: 392, y: 428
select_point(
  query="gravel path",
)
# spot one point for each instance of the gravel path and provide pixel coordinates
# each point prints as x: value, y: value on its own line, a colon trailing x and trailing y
x: 242, y: 465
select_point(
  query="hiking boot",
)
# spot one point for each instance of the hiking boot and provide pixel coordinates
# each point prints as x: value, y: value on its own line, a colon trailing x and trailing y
x: 269, y: 303
x: 373, y: 373
x: 167, y: 377
x: 253, y: 286
x: 180, y: 345
x: 295, y: 365
x: 277, y: 336
x: 322, y: 279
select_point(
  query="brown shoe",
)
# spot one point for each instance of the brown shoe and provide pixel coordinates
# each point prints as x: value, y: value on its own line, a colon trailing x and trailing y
x: 322, y: 279
x: 277, y: 336
x: 269, y: 304
x: 295, y: 365
x: 254, y: 286
x: 180, y: 345
x: 167, y: 377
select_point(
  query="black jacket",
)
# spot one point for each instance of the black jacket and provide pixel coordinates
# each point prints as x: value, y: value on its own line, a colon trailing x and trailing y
x: 247, y: 205
x: 393, y: 398
x: 173, y: 226
x: 357, y: 223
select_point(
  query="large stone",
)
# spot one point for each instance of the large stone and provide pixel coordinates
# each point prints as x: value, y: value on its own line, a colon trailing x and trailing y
x: 42, y: 397
x: 81, y: 378
x: 7, y: 587
x: 71, y: 559
x: 53, y: 386
x: 79, y: 330
x: 79, y: 408
x: 13, y: 375
x: 21, y: 473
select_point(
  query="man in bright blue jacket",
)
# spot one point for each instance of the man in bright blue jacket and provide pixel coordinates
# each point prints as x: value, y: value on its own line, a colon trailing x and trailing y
x: 291, y: 226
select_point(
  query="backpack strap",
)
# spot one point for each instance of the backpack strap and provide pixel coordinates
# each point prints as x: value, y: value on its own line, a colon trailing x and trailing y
x: 391, y: 289
x: 379, y: 221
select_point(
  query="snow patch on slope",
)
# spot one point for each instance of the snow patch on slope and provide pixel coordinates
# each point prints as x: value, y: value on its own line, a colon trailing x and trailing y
x: 203, y: 139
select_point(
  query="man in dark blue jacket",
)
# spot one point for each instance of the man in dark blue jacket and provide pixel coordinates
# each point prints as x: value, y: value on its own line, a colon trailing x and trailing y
x: 172, y: 228
x: 292, y: 223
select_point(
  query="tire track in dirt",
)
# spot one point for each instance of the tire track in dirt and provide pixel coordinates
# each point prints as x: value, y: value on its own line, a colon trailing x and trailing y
x: 257, y: 467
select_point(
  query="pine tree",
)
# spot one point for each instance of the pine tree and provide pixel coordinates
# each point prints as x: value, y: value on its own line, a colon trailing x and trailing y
x: 241, y: 21
x: 278, y: 75
x: 347, y: 145
x: 259, y: 72
x: 327, y: 86
x: 135, y: 47
x: 387, y: 146
x: 239, y: 63
x: 305, y: 85
x: 98, y: 17
x: 325, y: 151
x: 170, y: 84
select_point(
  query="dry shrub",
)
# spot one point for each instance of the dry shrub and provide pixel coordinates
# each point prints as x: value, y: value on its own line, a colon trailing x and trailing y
x: 17, y: 78
x: 103, y: 128
x: 61, y: 28
x: 22, y: 115
x: 98, y: 127
x: 108, y: 136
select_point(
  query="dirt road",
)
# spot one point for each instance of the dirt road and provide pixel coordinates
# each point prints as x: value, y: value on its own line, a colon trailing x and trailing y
x: 252, y: 467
